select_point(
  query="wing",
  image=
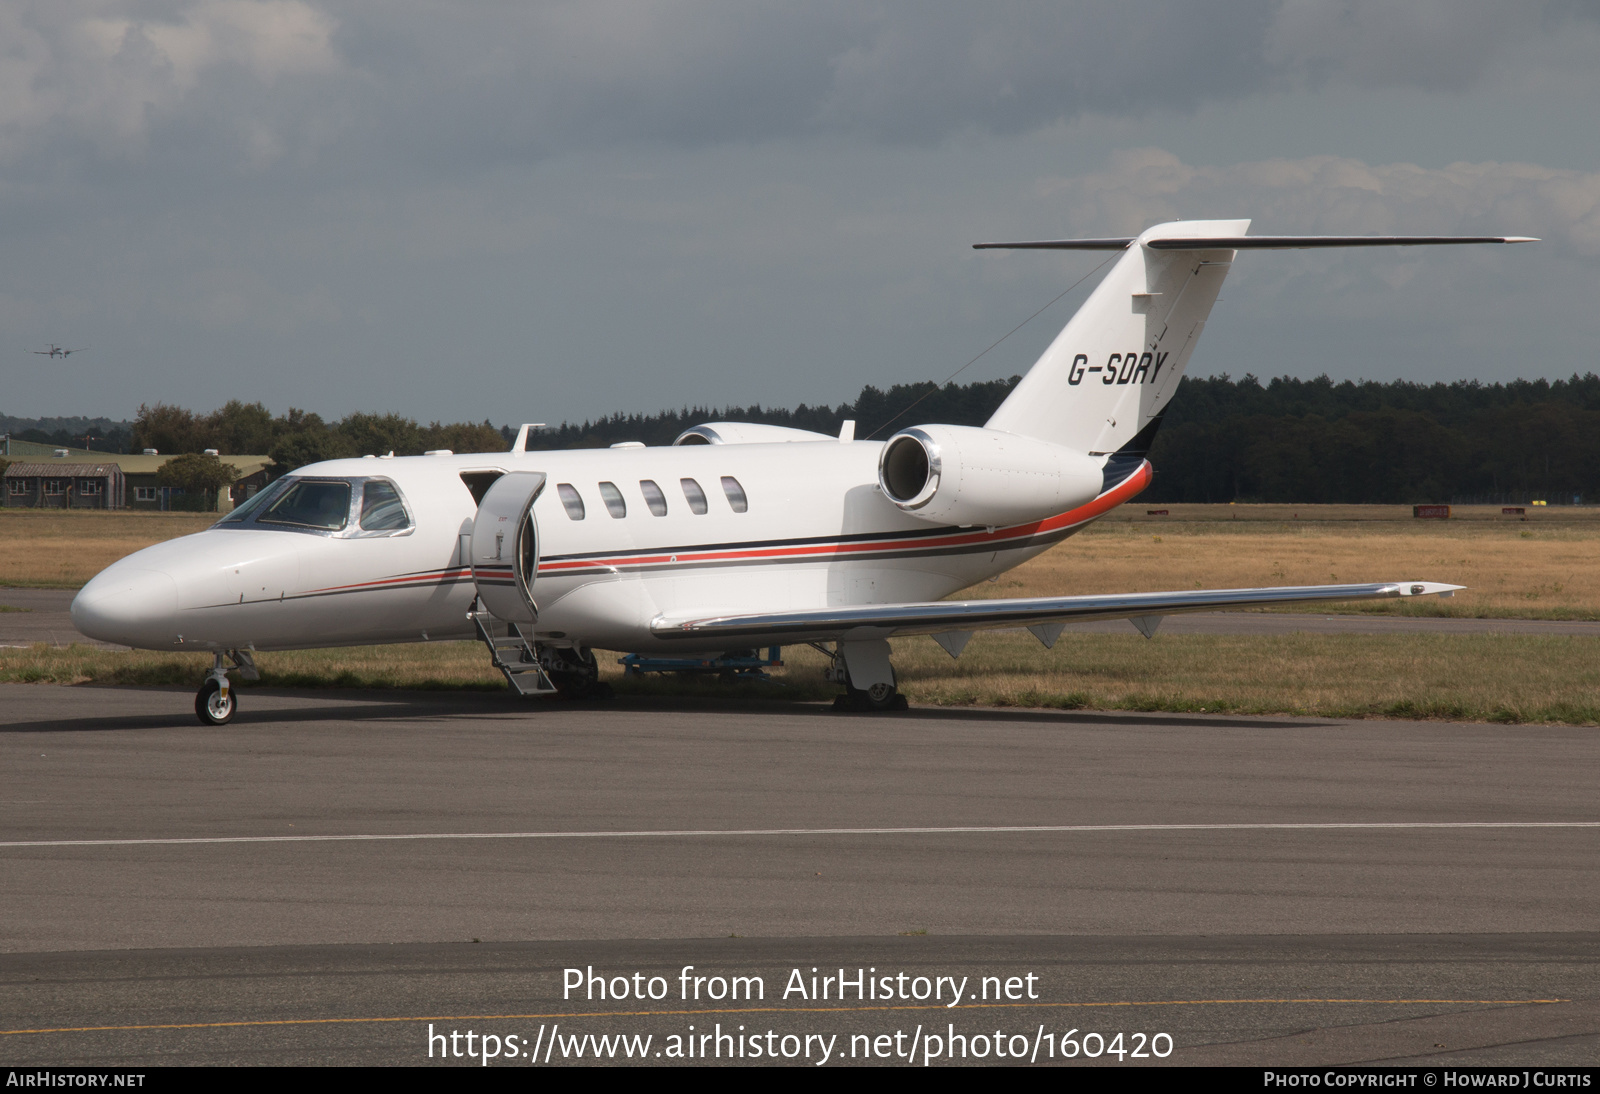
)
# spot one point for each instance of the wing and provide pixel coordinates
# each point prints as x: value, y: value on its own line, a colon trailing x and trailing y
x: 944, y: 616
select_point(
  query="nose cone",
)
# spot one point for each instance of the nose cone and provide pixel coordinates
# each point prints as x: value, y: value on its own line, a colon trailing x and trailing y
x: 130, y: 606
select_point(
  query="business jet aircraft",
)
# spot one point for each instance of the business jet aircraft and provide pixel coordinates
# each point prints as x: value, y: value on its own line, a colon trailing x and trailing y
x: 735, y: 536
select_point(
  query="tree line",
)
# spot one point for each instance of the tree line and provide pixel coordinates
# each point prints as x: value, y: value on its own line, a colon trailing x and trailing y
x: 1311, y: 441
x: 1285, y: 440
x: 97, y: 434
x: 299, y: 437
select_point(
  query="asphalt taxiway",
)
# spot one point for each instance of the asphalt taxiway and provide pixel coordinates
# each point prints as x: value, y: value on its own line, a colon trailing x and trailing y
x: 316, y: 880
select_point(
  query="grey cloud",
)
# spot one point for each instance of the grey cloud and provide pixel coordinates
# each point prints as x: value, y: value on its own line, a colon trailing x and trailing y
x: 1334, y: 195
x: 354, y: 203
x: 112, y: 74
x: 1435, y: 44
x: 353, y: 85
x: 527, y: 82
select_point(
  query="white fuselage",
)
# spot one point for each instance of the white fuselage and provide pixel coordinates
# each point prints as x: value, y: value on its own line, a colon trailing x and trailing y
x: 816, y: 532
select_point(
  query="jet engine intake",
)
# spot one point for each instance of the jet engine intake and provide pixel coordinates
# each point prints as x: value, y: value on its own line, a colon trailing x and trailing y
x: 964, y: 475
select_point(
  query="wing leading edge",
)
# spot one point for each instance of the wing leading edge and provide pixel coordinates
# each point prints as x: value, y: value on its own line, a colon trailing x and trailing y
x: 938, y: 617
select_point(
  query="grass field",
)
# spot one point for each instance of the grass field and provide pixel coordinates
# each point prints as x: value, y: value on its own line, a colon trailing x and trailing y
x: 1541, y: 569
x: 1507, y: 678
x: 1546, y: 567
x: 53, y: 548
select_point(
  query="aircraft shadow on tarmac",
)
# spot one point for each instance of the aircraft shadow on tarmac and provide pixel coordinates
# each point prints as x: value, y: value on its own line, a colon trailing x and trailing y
x: 345, y: 706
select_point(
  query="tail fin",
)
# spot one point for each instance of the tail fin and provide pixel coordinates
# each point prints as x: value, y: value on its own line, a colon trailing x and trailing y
x: 1103, y: 383
x: 1105, y: 380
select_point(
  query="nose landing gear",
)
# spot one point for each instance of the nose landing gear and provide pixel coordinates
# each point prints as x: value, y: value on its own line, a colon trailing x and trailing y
x: 214, y: 703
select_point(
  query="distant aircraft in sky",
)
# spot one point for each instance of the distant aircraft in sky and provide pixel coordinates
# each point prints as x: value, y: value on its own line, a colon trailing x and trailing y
x: 737, y: 536
x: 57, y: 351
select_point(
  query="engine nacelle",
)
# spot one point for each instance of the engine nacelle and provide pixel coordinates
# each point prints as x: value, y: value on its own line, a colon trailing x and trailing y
x: 745, y: 433
x: 956, y: 474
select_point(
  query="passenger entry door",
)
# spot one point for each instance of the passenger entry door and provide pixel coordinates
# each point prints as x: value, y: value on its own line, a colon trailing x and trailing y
x: 505, y: 547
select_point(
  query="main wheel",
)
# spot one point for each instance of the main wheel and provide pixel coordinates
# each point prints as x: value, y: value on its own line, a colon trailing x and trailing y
x: 877, y: 697
x: 574, y: 674
x: 212, y: 704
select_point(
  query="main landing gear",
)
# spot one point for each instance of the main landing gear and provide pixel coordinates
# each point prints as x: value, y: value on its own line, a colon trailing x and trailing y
x: 868, y: 677
x: 533, y: 668
x: 575, y: 673
x: 214, y: 703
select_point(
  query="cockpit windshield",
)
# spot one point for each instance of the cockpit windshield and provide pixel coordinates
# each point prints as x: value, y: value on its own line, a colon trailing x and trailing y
x: 324, y: 507
x: 242, y: 511
x: 323, y: 504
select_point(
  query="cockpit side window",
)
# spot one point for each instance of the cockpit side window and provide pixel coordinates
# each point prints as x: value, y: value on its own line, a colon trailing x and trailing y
x: 653, y: 497
x: 613, y: 499
x: 381, y: 508
x: 571, y: 500
x: 735, y: 492
x: 695, y: 496
x: 311, y: 503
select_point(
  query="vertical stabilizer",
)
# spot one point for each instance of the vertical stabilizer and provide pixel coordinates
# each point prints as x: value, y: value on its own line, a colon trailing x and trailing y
x: 1109, y: 374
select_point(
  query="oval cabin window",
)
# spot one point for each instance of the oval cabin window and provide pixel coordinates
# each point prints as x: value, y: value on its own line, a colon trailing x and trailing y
x: 653, y: 497
x: 571, y: 500
x: 695, y: 496
x: 613, y: 499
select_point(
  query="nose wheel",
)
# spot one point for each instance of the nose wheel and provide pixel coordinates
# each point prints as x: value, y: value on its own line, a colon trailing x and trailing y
x: 214, y: 702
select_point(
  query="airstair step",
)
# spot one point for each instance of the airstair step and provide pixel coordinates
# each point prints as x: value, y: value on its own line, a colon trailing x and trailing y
x: 523, y: 673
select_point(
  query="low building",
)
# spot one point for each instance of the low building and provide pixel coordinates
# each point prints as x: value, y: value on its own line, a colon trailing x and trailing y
x: 64, y: 485
x: 141, y: 484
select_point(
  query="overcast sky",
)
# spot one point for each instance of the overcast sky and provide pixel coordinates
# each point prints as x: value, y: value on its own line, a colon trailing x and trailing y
x: 547, y: 211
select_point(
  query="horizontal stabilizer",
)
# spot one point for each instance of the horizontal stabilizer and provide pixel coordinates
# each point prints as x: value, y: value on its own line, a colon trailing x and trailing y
x: 886, y: 620
x: 1117, y: 243
x: 1247, y: 243
x: 1291, y: 243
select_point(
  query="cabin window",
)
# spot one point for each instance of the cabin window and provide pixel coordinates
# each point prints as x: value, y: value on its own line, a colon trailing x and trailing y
x: 381, y: 508
x: 19, y: 486
x: 735, y: 492
x: 571, y: 500
x: 311, y: 503
x: 653, y: 497
x: 54, y: 488
x: 613, y: 499
x: 148, y: 493
x: 695, y: 496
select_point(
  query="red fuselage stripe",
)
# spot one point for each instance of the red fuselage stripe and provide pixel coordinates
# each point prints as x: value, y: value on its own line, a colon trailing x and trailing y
x: 999, y: 537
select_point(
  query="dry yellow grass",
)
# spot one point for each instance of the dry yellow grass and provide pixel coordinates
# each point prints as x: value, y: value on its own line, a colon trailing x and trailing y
x: 1137, y: 510
x: 1474, y: 677
x: 1533, y: 570
x: 60, y: 548
x: 1507, y: 678
x: 1545, y: 567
